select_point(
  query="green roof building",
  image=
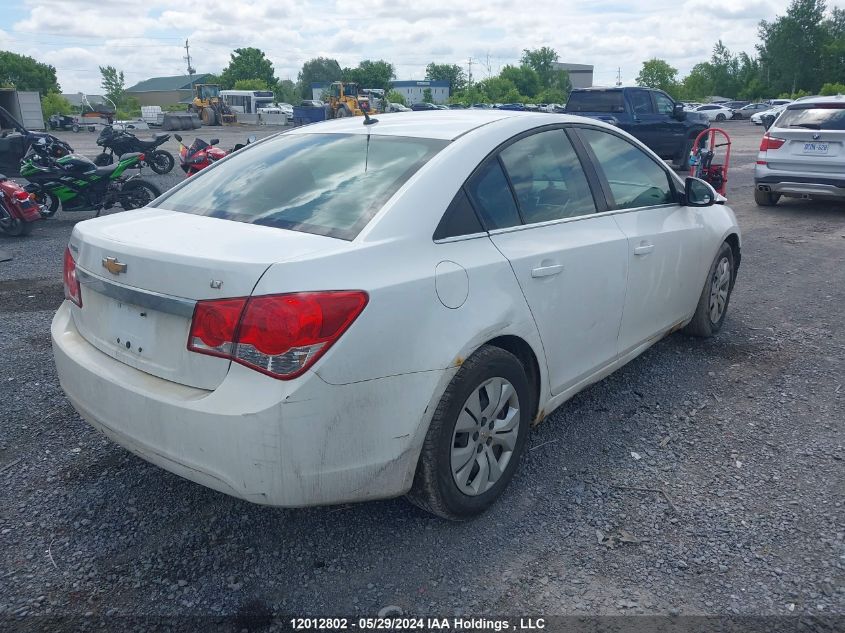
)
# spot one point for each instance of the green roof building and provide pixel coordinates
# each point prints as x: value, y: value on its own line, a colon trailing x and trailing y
x: 163, y: 91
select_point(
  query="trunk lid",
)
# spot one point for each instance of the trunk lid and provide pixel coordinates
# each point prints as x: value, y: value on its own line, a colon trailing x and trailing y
x: 805, y: 149
x: 141, y: 273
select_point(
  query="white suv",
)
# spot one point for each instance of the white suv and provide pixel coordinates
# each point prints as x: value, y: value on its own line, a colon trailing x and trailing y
x: 803, y: 154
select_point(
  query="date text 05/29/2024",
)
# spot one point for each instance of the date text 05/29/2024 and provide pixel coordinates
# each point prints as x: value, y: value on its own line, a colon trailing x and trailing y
x: 417, y: 624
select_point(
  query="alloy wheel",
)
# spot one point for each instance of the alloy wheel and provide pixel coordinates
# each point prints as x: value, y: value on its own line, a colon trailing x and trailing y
x: 485, y: 436
x: 719, y: 288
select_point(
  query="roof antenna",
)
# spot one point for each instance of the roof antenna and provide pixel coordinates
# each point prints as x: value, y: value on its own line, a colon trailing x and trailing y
x: 368, y: 120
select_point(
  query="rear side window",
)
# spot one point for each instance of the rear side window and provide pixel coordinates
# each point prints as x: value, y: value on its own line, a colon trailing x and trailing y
x: 817, y: 116
x: 459, y: 219
x: 596, y: 101
x: 635, y: 179
x: 491, y: 195
x: 547, y: 177
x: 327, y: 184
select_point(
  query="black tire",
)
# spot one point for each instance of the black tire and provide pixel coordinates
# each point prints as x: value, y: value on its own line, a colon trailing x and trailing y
x: 702, y: 323
x: 161, y: 161
x: 209, y: 116
x: 682, y: 162
x: 103, y: 159
x: 48, y: 202
x: 720, y: 117
x: 16, y: 227
x: 138, y: 193
x: 766, y: 198
x: 434, y: 488
x: 74, y: 127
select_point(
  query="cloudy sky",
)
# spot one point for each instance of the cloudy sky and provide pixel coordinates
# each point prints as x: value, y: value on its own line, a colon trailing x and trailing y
x: 146, y: 38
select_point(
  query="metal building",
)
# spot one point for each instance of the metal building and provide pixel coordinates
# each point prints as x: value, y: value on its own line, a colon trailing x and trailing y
x: 24, y: 106
x: 580, y: 75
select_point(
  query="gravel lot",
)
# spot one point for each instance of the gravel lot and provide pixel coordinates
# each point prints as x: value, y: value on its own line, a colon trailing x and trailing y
x: 735, y: 505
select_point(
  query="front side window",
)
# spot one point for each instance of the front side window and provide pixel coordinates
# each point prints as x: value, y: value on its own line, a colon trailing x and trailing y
x: 547, y: 177
x: 664, y: 104
x: 635, y: 179
x: 327, y: 184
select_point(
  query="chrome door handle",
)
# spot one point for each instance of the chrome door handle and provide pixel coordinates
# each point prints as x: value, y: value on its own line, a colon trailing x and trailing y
x: 643, y: 249
x: 547, y: 271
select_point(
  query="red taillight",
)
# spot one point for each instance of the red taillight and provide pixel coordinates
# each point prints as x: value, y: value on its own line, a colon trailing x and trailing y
x: 21, y: 195
x: 141, y: 157
x: 278, y: 335
x: 770, y: 142
x: 70, y: 281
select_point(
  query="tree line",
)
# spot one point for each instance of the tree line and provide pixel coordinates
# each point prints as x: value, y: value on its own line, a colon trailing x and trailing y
x: 800, y: 53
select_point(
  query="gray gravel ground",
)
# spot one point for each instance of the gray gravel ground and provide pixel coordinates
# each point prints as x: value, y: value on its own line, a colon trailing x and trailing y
x: 735, y: 506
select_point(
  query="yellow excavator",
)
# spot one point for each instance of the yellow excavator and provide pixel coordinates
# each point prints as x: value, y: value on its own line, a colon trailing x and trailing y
x: 209, y: 105
x: 343, y: 99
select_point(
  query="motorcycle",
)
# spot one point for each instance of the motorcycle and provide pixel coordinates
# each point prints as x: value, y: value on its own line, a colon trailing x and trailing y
x: 201, y: 154
x: 18, y: 211
x: 118, y: 143
x: 77, y: 184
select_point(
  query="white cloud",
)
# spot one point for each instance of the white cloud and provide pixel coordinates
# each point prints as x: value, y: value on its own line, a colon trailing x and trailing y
x: 146, y: 39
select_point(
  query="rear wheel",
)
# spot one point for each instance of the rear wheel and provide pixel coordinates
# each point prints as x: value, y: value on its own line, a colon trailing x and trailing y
x: 720, y: 117
x: 138, y: 193
x: 476, y: 437
x: 161, y: 162
x: 16, y: 227
x: 766, y: 198
x: 713, y: 302
x: 104, y: 159
x: 74, y: 127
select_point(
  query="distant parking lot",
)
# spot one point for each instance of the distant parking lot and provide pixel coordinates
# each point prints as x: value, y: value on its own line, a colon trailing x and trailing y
x: 705, y: 477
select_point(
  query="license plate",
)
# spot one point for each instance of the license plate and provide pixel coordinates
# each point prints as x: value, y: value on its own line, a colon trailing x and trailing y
x: 817, y: 149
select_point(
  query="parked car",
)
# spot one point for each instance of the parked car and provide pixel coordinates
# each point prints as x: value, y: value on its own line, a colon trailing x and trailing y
x: 776, y: 102
x: 802, y: 155
x: 650, y: 115
x: 440, y: 106
x: 278, y: 108
x: 396, y: 107
x: 714, y: 112
x: 745, y: 112
x: 757, y: 118
x: 392, y: 324
x: 734, y: 105
x: 481, y: 106
x: 417, y: 107
x: 519, y: 107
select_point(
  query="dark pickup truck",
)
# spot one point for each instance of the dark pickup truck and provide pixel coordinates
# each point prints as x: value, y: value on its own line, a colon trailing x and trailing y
x: 650, y: 115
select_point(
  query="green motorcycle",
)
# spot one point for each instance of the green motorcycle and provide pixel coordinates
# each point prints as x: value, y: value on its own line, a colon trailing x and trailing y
x: 77, y: 184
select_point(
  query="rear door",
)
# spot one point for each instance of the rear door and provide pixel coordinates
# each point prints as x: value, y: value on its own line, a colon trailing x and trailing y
x: 537, y: 203
x: 664, y: 239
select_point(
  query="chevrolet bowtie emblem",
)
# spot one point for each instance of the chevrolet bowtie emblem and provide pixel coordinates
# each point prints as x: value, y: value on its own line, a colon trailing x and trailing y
x: 113, y: 266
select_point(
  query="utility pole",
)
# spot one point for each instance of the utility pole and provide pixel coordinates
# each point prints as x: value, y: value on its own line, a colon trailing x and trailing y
x: 619, y: 76
x: 469, y: 63
x: 187, y: 58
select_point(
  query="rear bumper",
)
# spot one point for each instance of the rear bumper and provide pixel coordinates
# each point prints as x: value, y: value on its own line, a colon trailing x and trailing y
x: 799, y: 186
x: 297, y: 443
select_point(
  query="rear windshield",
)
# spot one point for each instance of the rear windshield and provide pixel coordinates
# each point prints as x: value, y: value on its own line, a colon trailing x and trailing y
x: 327, y: 184
x: 814, y: 117
x: 596, y: 101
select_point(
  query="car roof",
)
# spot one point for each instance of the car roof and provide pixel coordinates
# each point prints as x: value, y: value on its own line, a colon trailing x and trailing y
x: 811, y: 100
x: 436, y: 124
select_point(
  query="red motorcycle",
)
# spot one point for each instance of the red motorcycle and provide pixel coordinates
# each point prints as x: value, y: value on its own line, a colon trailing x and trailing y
x: 18, y: 210
x: 201, y: 154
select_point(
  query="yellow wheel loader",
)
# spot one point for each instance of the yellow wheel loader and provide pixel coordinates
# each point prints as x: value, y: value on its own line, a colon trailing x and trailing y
x: 209, y: 105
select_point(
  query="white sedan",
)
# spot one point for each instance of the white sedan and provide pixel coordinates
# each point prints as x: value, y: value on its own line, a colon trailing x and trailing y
x: 714, y: 112
x: 757, y: 119
x: 293, y: 328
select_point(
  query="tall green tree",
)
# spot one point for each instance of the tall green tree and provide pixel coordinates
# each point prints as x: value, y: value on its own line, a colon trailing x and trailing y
x: 542, y: 61
x: 25, y: 73
x: 248, y: 63
x: 114, y: 85
x: 525, y: 78
x: 452, y: 73
x: 657, y: 73
x: 497, y: 89
x: 317, y: 70
x: 286, y: 91
x: 251, y: 84
x: 371, y: 74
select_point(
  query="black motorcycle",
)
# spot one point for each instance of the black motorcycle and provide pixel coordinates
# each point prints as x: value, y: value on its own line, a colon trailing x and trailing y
x: 118, y: 143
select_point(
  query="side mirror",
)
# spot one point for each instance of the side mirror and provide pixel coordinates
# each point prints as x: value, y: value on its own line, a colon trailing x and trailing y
x: 698, y: 193
x: 768, y: 120
x: 678, y: 112
x: 177, y: 137
x: 250, y: 139
x: 214, y: 141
